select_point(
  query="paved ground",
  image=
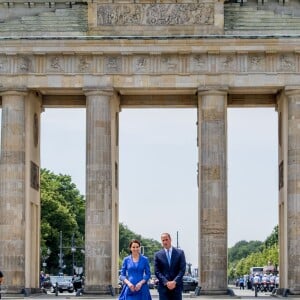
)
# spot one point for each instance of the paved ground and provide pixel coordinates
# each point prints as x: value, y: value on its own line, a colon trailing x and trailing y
x: 239, y: 294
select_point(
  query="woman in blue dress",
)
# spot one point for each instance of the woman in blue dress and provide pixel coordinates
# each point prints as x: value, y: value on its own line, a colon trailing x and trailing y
x: 135, y: 274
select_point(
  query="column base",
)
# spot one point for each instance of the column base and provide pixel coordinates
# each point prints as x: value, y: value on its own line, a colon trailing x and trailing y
x: 285, y: 291
x: 217, y: 292
x: 22, y: 291
x: 100, y: 290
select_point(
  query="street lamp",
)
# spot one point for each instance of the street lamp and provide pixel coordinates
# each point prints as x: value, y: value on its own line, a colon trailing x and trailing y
x: 83, y: 253
x: 73, y: 250
x: 45, y: 256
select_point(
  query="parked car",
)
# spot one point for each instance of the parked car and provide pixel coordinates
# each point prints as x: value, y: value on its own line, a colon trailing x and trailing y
x: 153, y: 282
x: 189, y: 283
x: 62, y: 283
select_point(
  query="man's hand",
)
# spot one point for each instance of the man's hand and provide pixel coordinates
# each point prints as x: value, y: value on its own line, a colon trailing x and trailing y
x: 171, y: 285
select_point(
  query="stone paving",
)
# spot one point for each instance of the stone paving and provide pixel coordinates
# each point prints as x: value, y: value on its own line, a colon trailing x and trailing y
x: 239, y: 294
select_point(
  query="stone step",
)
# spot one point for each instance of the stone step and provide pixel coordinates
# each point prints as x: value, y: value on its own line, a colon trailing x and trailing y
x: 252, y: 18
x: 45, y: 29
x: 50, y: 20
x: 60, y: 20
x: 259, y: 28
x: 263, y: 19
x: 252, y: 32
x: 279, y: 22
x: 245, y: 9
x: 63, y: 12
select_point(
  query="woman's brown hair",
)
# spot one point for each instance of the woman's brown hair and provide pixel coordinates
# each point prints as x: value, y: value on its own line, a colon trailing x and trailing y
x: 134, y: 241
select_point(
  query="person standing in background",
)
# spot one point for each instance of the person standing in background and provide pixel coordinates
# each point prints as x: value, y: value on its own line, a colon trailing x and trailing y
x: 169, y: 268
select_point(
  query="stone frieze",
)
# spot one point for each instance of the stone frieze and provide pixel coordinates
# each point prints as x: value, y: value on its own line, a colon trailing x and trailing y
x: 158, y: 14
x: 151, y: 64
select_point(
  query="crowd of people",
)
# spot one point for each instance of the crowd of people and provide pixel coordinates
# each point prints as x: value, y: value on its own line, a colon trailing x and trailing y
x: 261, y: 281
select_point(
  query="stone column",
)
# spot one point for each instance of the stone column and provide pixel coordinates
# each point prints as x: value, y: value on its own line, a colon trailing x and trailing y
x: 212, y: 140
x: 12, y: 190
x: 293, y: 192
x: 99, y: 205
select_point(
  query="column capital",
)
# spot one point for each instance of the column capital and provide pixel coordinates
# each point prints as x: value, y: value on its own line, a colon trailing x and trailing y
x: 212, y: 89
x: 13, y: 91
x: 100, y: 91
x: 292, y: 90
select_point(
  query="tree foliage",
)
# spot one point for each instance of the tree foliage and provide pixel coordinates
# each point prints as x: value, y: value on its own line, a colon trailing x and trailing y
x: 272, y: 239
x: 242, y: 249
x: 62, y: 210
x: 244, y: 255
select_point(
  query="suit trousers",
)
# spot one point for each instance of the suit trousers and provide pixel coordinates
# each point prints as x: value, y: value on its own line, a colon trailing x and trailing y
x: 166, y: 294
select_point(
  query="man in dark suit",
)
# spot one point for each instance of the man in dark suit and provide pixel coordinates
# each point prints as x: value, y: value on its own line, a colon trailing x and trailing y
x: 169, y: 268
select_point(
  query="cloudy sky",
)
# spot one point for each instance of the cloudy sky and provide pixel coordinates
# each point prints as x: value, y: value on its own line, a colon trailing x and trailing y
x: 158, y: 169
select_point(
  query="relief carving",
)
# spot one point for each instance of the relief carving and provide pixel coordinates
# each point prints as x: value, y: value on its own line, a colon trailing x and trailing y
x: 108, y: 15
x: 256, y: 62
x: 287, y: 63
x: 3, y: 65
x: 227, y: 63
x: 145, y: 64
x: 198, y: 62
x: 155, y: 14
x: 55, y: 64
x: 180, y: 14
x: 24, y: 64
x: 141, y: 64
x: 168, y: 64
x: 113, y: 64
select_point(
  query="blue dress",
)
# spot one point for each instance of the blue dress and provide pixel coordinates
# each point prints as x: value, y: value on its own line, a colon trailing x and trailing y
x: 135, y: 272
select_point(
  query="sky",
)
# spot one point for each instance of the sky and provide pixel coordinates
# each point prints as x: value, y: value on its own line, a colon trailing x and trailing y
x: 158, y: 170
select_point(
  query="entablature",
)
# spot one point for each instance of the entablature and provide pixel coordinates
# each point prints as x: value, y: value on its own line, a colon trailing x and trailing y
x: 149, y: 57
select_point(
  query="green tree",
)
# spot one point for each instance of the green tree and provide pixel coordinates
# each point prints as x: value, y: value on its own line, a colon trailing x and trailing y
x: 245, y: 255
x: 242, y: 249
x: 272, y: 239
x: 62, y: 209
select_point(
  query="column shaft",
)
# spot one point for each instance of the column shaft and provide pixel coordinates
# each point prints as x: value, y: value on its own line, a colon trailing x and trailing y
x: 293, y: 192
x: 12, y: 190
x: 98, y: 230
x: 212, y: 133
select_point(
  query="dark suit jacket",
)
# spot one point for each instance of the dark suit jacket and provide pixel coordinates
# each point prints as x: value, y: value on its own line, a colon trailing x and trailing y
x: 175, y: 271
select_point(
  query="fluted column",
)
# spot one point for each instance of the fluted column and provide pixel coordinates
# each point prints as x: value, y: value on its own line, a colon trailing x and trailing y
x: 291, y: 266
x: 212, y: 140
x: 12, y: 189
x: 98, y: 228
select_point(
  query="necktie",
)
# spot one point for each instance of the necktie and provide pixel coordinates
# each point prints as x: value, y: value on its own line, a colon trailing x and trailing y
x: 169, y: 256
